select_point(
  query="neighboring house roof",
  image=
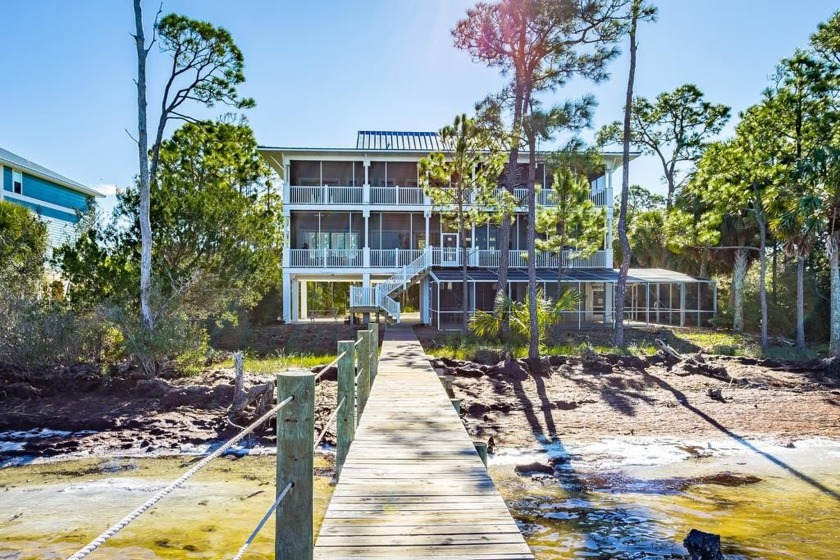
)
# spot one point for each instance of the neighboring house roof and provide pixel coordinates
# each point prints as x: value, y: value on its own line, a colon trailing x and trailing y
x: 14, y: 160
x: 395, y: 140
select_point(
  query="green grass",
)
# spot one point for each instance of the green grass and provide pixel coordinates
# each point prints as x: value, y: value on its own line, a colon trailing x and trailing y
x: 464, y: 346
x: 280, y: 362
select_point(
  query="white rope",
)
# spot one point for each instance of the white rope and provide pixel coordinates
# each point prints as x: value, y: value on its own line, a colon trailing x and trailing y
x: 329, y: 365
x: 262, y: 521
x: 114, y: 529
x: 329, y: 422
x: 358, y: 375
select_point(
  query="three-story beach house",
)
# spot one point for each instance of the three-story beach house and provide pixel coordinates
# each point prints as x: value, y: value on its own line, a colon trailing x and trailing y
x: 359, y: 215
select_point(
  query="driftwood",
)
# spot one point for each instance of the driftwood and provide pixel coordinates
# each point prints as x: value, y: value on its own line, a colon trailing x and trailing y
x: 695, y: 364
x: 260, y: 395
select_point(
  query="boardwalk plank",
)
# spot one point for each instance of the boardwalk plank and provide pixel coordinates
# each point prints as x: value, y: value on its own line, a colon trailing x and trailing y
x: 413, y: 486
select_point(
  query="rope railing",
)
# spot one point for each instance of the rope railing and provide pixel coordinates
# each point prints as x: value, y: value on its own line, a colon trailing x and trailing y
x: 262, y: 522
x: 294, y: 424
x: 328, y: 424
x: 327, y: 367
x: 119, y: 526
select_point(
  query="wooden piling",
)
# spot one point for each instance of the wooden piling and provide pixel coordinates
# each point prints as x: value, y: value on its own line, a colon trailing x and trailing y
x: 346, y: 427
x: 481, y: 447
x: 456, y: 404
x: 374, y: 351
x: 363, y: 383
x: 295, y: 436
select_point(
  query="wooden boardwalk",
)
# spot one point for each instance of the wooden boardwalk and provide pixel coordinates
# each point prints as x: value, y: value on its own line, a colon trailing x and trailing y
x: 413, y: 485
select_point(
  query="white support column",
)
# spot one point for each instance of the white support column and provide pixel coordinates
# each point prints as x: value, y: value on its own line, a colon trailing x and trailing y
x: 609, y: 304
x: 427, y: 213
x: 366, y: 186
x: 287, y: 237
x: 304, y: 304
x: 682, y: 304
x: 366, y: 279
x: 295, y: 301
x: 608, y: 238
x: 425, y: 311
x: 287, y: 297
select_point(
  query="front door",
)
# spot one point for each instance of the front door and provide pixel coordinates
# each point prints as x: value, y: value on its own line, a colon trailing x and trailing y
x: 449, y: 249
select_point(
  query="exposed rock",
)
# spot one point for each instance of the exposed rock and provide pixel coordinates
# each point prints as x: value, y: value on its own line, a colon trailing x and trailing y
x: 703, y: 546
x: 535, y: 467
x: 488, y: 356
x: 152, y: 388
x: 20, y: 390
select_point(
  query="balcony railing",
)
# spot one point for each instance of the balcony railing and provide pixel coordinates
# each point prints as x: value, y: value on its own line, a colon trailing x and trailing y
x: 327, y: 194
x: 397, y: 195
x: 440, y: 257
x: 393, y: 258
x: 414, y: 196
x: 326, y: 258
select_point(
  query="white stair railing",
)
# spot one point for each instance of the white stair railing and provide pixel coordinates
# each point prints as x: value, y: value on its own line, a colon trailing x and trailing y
x: 380, y: 295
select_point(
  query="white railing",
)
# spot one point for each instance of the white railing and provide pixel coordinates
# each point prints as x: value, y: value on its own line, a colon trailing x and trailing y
x: 327, y: 194
x: 391, y: 307
x: 413, y: 196
x: 403, y: 277
x: 363, y: 297
x: 397, y: 195
x: 519, y: 259
x: 373, y: 297
x: 602, y: 197
x: 393, y: 258
x: 326, y: 258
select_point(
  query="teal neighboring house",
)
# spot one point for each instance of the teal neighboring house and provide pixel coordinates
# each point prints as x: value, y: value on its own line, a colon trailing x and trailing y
x: 53, y: 197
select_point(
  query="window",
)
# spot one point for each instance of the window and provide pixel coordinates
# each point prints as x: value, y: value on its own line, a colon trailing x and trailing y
x: 17, y: 182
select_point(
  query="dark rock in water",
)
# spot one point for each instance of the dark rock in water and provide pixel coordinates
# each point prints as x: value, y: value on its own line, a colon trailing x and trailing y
x: 703, y: 546
x: 535, y: 467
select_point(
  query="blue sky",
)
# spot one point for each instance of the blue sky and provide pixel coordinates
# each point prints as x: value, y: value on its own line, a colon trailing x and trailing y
x: 322, y: 70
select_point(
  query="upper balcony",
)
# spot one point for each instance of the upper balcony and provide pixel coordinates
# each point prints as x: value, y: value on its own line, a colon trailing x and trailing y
x: 329, y: 195
x: 441, y: 257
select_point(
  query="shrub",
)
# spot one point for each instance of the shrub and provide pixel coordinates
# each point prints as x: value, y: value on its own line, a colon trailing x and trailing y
x: 38, y: 334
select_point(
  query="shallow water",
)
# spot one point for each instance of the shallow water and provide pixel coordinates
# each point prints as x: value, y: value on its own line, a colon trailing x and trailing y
x: 617, y: 498
x: 51, y: 510
x: 639, y: 499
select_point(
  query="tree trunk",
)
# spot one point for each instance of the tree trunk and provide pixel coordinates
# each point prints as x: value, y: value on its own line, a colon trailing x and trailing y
x: 739, y: 273
x: 504, y: 230
x: 762, y: 283
x: 143, y: 153
x: 833, y: 249
x: 800, y: 302
x: 775, y: 273
x: 534, y: 335
x: 621, y: 286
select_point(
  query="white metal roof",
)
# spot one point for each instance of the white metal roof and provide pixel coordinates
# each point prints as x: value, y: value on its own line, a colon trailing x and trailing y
x: 396, y: 140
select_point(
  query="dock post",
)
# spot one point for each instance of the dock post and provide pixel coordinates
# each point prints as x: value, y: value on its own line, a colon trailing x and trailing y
x: 346, y: 390
x: 363, y: 384
x: 293, y: 539
x: 481, y: 447
x: 374, y: 351
x: 456, y: 404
